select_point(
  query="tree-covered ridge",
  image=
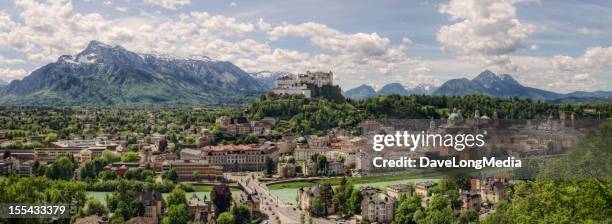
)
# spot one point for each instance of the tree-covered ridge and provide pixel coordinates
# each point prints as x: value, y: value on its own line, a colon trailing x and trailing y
x: 576, y: 188
x: 59, y: 123
x: 313, y: 115
x: 22, y: 190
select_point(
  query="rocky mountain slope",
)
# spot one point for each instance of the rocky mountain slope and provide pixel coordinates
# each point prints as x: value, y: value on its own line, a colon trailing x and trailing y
x: 112, y: 75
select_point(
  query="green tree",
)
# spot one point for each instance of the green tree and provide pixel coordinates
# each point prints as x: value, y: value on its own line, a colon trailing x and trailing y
x: 107, y: 175
x: 270, y: 167
x: 241, y: 214
x: 196, y: 175
x: 471, y: 216
x: 251, y: 139
x: 318, y: 207
x: 321, y: 164
x: 176, y: 197
x: 88, y: 171
x: 364, y: 220
x: 94, y: 207
x: 110, y: 157
x: 130, y: 157
x: 50, y: 137
x: 355, y: 201
x: 406, y: 208
x: 341, y: 198
x: 225, y: 218
x: 172, y: 175
x: 62, y: 168
x: 502, y: 214
x: 221, y: 197
x: 177, y: 214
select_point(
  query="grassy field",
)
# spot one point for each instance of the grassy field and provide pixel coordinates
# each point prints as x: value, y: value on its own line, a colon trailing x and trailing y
x: 287, y: 192
x: 207, y: 187
x: 199, y: 190
x: 359, y: 180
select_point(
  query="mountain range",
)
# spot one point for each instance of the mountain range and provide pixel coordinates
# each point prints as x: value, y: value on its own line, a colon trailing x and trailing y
x: 112, y: 75
x: 366, y: 91
x: 504, y: 86
x: 268, y: 78
x: 486, y: 83
x: 105, y: 75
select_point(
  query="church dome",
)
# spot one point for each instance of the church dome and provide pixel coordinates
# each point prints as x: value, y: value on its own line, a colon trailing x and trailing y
x: 302, y: 140
x: 454, y: 116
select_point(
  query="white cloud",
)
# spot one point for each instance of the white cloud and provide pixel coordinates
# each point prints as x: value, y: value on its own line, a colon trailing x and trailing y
x: 582, y: 77
x: 486, y: 31
x: 590, y: 31
x: 169, y: 4
x: 233, y: 4
x: 10, y: 61
x: 11, y: 74
x: 360, y: 44
x: 121, y: 9
x: 45, y: 31
x: 588, y: 71
x: 355, y: 53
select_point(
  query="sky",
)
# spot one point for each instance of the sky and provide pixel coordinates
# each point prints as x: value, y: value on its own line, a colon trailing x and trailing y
x: 557, y: 45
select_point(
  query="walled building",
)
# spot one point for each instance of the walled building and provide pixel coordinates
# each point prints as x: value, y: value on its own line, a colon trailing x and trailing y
x: 194, y: 170
x: 303, y: 84
x: 239, y: 157
x: 398, y: 190
x: 200, y: 210
x: 306, y: 198
x: 152, y: 202
x: 378, y: 207
x: 286, y: 170
x: 469, y: 200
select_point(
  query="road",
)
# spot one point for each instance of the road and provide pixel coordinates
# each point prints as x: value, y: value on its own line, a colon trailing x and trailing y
x: 271, y: 205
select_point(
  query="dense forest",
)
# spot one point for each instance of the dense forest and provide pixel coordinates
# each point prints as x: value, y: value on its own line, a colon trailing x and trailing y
x: 294, y: 113
x: 315, y: 115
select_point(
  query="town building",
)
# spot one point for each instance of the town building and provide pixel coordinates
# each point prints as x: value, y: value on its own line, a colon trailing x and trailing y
x: 206, y: 138
x: 250, y: 200
x: 191, y: 154
x: 120, y: 168
x: 232, y: 127
x: 49, y: 154
x: 492, y: 189
x: 307, y: 153
x: 286, y: 170
x: 469, y: 200
x: 200, y: 210
x: 85, y: 155
x: 303, y: 84
x: 25, y: 169
x: 6, y: 167
x: 335, y: 168
x: 239, y: 157
x: 100, y: 142
x: 153, y: 203
x: 422, y: 189
x: 239, y: 126
x: 378, y: 207
x: 194, y: 170
x: 398, y: 190
x: 306, y: 198
x: 92, y: 219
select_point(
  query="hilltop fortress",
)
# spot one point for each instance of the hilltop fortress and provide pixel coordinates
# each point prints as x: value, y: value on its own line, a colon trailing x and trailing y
x: 303, y: 83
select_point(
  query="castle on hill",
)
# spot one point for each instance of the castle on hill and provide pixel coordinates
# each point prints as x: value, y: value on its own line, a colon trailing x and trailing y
x: 304, y: 84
